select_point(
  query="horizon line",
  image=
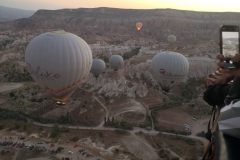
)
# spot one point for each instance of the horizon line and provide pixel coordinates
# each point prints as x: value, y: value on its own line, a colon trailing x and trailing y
x: 126, y: 9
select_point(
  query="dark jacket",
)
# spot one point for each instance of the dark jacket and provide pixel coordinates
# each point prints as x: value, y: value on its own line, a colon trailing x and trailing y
x: 215, y: 94
x: 222, y: 93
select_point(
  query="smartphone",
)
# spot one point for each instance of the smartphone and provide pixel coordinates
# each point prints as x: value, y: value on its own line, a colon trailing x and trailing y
x: 229, y: 40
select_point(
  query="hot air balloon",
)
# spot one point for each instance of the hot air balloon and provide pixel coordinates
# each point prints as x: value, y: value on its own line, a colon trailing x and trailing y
x: 171, y: 38
x: 98, y: 66
x: 139, y: 25
x: 169, y: 69
x: 227, y: 42
x: 58, y: 61
x: 116, y: 62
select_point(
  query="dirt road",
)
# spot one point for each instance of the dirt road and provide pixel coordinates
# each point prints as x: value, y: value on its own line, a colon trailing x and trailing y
x: 135, y: 130
x: 9, y: 86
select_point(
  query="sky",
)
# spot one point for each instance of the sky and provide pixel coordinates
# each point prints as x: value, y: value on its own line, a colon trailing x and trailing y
x: 195, y: 5
x: 230, y: 35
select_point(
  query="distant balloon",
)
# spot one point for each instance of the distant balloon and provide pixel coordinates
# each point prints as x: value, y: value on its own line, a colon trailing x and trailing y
x: 169, y: 69
x: 139, y: 25
x: 116, y: 62
x: 98, y: 66
x: 58, y: 61
x: 227, y: 42
x: 171, y: 38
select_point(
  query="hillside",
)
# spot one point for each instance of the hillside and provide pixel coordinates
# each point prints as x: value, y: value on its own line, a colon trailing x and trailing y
x: 8, y: 14
x: 119, y: 24
x: 126, y: 98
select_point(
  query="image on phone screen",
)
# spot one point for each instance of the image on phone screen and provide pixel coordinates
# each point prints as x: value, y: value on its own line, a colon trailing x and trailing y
x: 230, y: 44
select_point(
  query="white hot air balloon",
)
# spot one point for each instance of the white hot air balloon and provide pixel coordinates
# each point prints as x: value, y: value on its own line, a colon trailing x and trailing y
x: 116, y: 62
x: 98, y: 66
x: 58, y: 61
x: 169, y: 69
x: 171, y: 38
x: 227, y: 42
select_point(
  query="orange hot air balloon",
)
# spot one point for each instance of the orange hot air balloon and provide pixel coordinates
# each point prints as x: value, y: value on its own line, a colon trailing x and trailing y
x: 139, y: 25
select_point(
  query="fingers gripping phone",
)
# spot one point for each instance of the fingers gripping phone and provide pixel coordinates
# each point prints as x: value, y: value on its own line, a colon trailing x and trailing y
x: 229, y: 40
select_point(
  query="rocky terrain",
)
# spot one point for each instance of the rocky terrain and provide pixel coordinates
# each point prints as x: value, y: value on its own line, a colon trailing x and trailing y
x: 111, y: 31
x: 129, y: 96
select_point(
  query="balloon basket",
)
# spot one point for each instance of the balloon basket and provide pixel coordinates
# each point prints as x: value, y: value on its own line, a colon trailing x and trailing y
x: 60, y: 104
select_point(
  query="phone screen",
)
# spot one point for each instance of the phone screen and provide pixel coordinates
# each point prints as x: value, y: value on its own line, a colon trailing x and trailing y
x: 230, y: 44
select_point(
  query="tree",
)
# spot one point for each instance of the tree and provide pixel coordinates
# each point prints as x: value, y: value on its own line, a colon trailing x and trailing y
x: 100, y: 134
x: 53, y: 134
x: 176, y: 135
x: 159, y: 133
x: 59, y: 149
x: 75, y: 139
x: 56, y: 128
x: 1, y: 46
x: 25, y: 127
x: 91, y: 123
x: 40, y: 100
x: 63, y: 129
x: 17, y: 126
x: 68, y: 117
x: 31, y: 121
x: 120, y: 131
x: 165, y: 100
x: 30, y: 124
x: 11, y: 94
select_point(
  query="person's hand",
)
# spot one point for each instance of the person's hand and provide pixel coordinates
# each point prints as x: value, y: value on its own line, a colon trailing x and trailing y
x: 233, y: 72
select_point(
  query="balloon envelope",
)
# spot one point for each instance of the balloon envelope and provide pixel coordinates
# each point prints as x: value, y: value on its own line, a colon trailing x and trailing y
x: 116, y: 62
x: 98, y: 66
x: 171, y: 38
x: 228, y: 42
x: 58, y: 61
x: 169, y: 69
x: 139, y: 25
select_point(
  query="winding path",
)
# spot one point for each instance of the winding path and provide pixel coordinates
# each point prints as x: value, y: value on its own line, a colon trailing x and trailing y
x: 101, y: 124
x: 135, y: 130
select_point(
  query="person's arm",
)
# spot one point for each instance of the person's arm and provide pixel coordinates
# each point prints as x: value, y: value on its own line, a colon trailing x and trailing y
x: 215, y: 94
x: 217, y: 88
x: 234, y: 92
x: 217, y: 78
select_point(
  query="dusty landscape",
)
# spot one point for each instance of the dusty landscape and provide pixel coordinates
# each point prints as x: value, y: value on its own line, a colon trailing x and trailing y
x: 121, y: 115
